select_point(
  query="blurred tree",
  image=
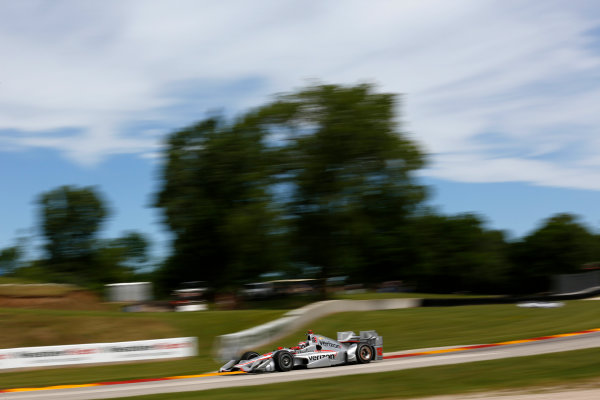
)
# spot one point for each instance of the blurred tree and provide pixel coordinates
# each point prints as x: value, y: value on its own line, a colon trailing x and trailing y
x: 349, y: 173
x: 119, y: 260
x: 458, y: 254
x: 134, y: 246
x: 9, y: 259
x: 216, y: 200
x: 561, y: 245
x: 71, y: 217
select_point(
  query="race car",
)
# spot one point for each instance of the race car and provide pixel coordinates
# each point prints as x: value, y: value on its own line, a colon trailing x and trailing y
x: 317, y: 351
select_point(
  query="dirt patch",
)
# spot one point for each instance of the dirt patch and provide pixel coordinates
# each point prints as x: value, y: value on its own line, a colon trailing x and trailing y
x: 73, y: 300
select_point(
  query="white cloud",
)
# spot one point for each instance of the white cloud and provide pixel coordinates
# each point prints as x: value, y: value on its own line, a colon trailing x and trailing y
x: 526, y: 72
x: 477, y: 169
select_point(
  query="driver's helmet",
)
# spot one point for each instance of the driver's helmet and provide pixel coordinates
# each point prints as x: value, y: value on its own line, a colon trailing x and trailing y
x: 301, y: 345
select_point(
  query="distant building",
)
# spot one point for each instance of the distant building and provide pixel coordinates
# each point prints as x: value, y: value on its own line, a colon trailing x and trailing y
x: 129, y: 292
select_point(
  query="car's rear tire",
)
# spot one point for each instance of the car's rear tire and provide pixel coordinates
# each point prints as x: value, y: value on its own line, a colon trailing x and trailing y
x: 249, y: 355
x: 364, y: 353
x: 284, y: 361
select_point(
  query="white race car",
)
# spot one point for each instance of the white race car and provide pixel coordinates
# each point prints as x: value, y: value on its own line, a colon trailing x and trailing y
x: 317, y: 351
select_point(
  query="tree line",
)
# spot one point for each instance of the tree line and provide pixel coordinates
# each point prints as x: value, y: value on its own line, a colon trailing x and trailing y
x: 318, y: 182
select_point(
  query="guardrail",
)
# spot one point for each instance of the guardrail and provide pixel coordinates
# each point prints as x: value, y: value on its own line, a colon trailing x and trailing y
x: 232, y: 345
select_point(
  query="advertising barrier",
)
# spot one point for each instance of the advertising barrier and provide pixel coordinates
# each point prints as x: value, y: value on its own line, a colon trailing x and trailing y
x: 93, y: 353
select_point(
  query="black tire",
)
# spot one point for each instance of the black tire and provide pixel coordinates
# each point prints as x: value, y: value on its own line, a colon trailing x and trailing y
x: 249, y: 355
x: 284, y: 361
x: 364, y: 353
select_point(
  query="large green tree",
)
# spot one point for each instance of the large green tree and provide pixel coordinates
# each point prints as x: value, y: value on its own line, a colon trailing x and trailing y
x: 561, y: 245
x: 350, y: 174
x: 457, y: 253
x: 327, y: 167
x: 216, y: 200
x: 71, y: 217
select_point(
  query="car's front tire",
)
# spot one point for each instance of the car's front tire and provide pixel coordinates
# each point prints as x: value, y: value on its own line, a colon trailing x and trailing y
x: 364, y: 353
x: 283, y: 361
x: 249, y: 355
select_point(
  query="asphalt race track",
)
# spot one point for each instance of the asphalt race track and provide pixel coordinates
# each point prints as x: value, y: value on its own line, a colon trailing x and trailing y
x: 444, y: 357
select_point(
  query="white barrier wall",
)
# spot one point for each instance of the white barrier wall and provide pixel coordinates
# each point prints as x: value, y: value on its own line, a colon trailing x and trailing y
x: 232, y: 345
x: 35, y: 357
x: 574, y: 283
x: 129, y: 292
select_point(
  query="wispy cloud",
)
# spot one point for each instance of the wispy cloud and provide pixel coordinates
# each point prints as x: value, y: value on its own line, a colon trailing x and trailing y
x: 495, y: 90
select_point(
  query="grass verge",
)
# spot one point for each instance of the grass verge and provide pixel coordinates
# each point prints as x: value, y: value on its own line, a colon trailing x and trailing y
x: 534, y: 373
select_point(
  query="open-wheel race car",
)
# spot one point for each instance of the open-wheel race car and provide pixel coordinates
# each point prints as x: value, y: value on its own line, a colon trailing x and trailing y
x: 317, y: 351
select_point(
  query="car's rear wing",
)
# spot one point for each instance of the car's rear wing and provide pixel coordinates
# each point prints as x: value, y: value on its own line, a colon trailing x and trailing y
x: 369, y: 337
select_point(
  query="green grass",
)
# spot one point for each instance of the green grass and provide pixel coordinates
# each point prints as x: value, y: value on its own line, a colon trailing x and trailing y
x: 401, y: 330
x: 568, y: 369
x: 415, y: 328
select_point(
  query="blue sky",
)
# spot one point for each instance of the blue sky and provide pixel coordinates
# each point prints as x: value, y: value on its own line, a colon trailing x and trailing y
x: 502, y: 95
